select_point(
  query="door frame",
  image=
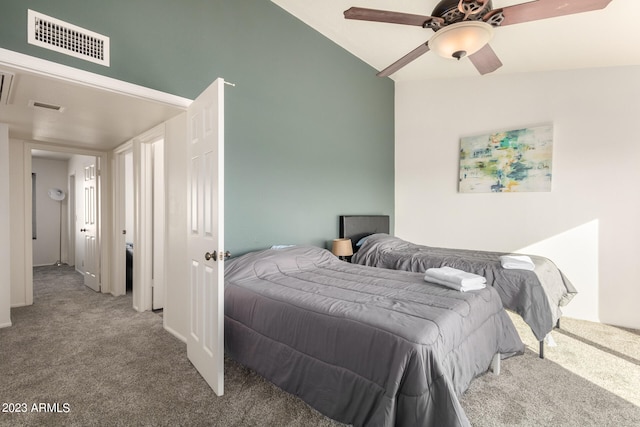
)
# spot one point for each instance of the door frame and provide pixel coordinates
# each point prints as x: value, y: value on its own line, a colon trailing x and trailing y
x: 71, y: 221
x: 159, y: 223
x: 42, y: 67
x: 118, y: 260
x: 103, y: 212
x: 143, y: 217
x: 148, y: 259
x: 54, y: 70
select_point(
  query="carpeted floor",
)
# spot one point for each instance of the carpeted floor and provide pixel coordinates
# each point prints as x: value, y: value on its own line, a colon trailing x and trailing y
x: 81, y: 358
x: 591, y: 378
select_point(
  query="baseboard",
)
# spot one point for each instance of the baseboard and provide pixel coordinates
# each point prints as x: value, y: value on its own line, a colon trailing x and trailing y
x: 175, y: 334
x: 22, y: 304
x: 5, y: 325
x: 51, y: 264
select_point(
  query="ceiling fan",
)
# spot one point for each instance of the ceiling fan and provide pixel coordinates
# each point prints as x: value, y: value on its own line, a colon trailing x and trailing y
x: 465, y: 27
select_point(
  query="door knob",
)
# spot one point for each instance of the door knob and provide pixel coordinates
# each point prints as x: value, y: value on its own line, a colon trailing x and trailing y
x: 82, y: 230
x: 227, y: 254
x: 208, y: 256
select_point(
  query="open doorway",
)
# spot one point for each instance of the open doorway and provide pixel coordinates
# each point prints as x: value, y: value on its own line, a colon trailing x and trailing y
x: 50, y: 208
x: 96, y: 114
x: 138, y: 250
x: 139, y: 206
x: 124, y: 243
x: 65, y: 212
x: 128, y: 231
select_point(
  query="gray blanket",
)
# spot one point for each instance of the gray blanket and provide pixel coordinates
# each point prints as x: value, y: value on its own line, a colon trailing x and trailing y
x: 362, y: 345
x: 535, y: 295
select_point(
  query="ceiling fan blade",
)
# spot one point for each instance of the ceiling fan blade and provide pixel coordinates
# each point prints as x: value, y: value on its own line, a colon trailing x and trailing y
x: 364, y: 14
x: 415, y: 53
x: 485, y: 60
x: 543, y: 9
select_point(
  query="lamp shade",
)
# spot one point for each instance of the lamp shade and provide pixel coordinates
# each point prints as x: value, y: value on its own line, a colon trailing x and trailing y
x: 342, y: 247
x: 461, y: 39
x: 57, y: 194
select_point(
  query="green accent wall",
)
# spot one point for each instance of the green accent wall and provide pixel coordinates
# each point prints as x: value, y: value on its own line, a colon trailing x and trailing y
x: 309, y: 127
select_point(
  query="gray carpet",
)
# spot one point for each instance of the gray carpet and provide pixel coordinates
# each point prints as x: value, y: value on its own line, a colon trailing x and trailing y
x: 591, y: 378
x: 104, y: 364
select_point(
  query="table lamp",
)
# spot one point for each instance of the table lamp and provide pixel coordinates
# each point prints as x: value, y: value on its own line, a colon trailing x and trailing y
x: 342, y: 248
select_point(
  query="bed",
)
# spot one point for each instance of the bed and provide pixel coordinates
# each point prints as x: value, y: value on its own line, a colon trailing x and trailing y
x: 362, y: 345
x: 535, y: 295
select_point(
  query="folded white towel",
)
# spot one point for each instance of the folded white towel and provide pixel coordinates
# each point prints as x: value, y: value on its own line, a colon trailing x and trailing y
x: 457, y: 287
x: 517, y: 262
x: 455, y: 279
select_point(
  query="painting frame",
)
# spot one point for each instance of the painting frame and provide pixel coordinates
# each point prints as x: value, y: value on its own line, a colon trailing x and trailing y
x: 507, y: 161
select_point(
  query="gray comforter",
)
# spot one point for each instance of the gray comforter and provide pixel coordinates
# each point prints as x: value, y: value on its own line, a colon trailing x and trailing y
x: 362, y: 345
x: 535, y: 295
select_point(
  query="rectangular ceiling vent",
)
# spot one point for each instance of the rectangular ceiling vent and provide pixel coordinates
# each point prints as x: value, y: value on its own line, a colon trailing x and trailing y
x: 53, y: 34
x: 46, y: 106
x: 6, y: 79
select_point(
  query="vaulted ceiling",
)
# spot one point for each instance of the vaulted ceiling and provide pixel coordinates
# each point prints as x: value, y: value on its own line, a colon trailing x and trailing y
x: 99, y: 119
x: 603, y: 38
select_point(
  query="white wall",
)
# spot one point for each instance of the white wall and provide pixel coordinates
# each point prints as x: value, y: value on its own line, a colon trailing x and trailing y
x: 20, y: 252
x: 176, y: 306
x: 588, y: 224
x: 50, y: 174
x: 5, y: 227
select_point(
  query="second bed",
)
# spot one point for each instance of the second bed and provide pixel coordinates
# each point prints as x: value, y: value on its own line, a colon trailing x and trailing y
x: 537, y: 296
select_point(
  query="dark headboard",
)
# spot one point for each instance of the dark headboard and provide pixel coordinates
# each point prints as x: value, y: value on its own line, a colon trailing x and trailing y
x: 355, y: 227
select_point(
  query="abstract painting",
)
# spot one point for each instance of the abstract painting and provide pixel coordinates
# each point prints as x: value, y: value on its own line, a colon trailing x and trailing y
x: 508, y: 161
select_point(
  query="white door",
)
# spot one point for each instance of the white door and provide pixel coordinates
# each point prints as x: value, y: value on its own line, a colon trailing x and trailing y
x: 205, y: 138
x: 90, y: 227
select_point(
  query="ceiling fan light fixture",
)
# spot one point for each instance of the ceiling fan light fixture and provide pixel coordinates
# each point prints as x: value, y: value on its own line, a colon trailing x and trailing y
x: 461, y: 39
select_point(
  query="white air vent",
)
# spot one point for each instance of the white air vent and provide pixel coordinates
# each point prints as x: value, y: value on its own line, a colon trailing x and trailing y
x: 51, y: 33
x: 44, y: 105
x: 5, y: 86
